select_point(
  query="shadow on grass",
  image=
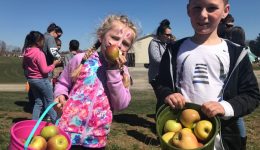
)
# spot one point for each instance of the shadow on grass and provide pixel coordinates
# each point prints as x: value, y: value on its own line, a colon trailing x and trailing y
x: 27, y: 106
x: 143, y: 138
x: 15, y: 120
x: 135, y: 120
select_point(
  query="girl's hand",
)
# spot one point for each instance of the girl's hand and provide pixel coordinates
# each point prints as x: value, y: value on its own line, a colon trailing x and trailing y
x: 56, y: 62
x: 212, y: 109
x: 175, y: 100
x: 61, y: 100
x: 120, y: 61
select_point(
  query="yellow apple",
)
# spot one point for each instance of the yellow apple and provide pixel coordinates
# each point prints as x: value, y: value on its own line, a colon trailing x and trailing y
x: 203, y: 129
x: 167, y: 137
x: 49, y: 131
x: 188, y: 129
x: 38, y: 143
x: 58, y: 142
x: 172, y: 126
x: 185, y: 139
x: 112, y: 53
x: 189, y: 117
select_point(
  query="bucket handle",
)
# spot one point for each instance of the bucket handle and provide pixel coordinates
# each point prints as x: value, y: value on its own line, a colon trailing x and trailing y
x: 37, y: 125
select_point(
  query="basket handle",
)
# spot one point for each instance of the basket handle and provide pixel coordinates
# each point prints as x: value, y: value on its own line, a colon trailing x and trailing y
x: 37, y: 125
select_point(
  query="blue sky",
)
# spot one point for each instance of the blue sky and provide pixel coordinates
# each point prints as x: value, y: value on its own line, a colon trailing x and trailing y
x: 79, y: 19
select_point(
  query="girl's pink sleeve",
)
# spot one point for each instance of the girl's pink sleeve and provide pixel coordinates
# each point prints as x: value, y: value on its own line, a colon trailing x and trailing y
x: 42, y: 64
x: 120, y: 96
x: 64, y: 83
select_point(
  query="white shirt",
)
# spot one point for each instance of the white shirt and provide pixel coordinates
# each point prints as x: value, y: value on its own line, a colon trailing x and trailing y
x: 202, y: 70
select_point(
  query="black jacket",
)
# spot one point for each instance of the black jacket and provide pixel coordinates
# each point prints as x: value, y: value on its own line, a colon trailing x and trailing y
x: 241, y: 91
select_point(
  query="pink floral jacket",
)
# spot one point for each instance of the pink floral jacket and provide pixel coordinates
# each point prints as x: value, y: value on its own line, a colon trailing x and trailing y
x: 87, y: 115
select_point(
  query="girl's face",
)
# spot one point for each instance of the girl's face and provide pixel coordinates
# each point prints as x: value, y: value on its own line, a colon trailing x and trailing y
x: 205, y: 15
x: 119, y: 35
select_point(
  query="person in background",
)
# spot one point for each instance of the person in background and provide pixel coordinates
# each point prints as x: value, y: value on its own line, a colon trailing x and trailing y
x: 58, y: 43
x: 90, y: 87
x: 74, y: 49
x: 36, y: 72
x: 58, y: 69
x: 156, y: 49
x: 202, y: 69
x: 50, y: 46
x: 225, y: 26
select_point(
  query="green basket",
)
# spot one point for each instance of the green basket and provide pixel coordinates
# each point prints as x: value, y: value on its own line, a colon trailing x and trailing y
x: 165, y: 113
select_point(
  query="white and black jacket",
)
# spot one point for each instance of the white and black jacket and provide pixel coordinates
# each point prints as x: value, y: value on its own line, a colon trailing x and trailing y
x: 241, y: 90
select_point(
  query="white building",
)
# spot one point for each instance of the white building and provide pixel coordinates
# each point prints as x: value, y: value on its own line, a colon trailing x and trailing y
x: 140, y: 50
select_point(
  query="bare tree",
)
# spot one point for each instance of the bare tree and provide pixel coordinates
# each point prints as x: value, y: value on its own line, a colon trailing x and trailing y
x: 255, y: 46
x: 2, y: 48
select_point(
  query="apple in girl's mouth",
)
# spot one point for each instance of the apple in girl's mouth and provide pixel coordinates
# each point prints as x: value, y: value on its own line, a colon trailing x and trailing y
x: 112, y: 53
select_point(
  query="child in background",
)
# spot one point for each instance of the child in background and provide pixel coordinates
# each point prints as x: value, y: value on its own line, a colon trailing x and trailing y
x: 90, y: 87
x: 208, y: 70
x: 74, y: 49
x: 36, y: 72
x: 58, y: 69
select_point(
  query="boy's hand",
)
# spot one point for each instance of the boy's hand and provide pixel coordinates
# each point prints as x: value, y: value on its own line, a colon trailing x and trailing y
x: 175, y: 100
x: 61, y: 100
x: 212, y: 109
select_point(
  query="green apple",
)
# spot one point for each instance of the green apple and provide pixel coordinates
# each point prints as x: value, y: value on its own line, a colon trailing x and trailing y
x: 203, y: 129
x: 38, y: 143
x: 49, y: 131
x: 58, y: 142
x: 172, y: 126
x: 167, y: 137
x: 185, y: 139
x: 189, y: 117
x: 112, y: 53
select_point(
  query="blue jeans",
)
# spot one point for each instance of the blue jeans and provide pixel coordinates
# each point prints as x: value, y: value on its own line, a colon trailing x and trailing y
x: 43, y: 94
x: 241, y: 126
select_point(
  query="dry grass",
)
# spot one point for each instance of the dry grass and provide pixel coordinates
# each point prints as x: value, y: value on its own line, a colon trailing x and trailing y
x: 132, y: 129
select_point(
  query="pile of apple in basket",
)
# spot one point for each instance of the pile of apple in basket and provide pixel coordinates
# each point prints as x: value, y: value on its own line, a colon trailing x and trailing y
x: 49, y: 139
x: 189, y: 132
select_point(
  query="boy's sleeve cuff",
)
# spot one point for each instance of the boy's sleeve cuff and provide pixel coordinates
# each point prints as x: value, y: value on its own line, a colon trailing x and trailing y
x: 229, y: 111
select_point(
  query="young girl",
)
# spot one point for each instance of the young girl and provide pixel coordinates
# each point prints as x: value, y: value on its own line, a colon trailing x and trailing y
x: 90, y: 88
x: 36, y: 72
x: 208, y: 70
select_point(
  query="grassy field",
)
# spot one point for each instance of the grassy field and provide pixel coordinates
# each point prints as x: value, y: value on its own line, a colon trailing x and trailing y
x: 11, y: 70
x: 132, y: 129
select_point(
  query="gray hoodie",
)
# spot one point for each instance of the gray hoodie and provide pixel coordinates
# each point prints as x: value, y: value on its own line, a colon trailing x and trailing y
x: 155, y: 51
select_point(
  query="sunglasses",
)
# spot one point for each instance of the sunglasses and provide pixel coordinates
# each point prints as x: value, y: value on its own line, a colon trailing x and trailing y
x: 169, y: 35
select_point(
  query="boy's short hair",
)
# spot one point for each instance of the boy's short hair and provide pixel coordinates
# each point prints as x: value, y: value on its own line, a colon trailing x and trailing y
x: 74, y: 45
x: 225, y: 1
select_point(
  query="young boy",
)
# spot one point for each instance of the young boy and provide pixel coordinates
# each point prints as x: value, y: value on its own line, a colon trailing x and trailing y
x: 207, y: 70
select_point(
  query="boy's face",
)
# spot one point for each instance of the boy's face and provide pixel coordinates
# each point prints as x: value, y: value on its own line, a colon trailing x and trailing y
x: 205, y: 15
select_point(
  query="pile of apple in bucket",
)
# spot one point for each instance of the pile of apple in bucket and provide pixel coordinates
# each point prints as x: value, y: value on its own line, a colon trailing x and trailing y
x: 49, y: 138
x: 188, y: 128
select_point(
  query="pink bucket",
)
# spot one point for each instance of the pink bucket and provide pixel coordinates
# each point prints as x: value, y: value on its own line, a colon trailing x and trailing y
x: 20, y: 131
